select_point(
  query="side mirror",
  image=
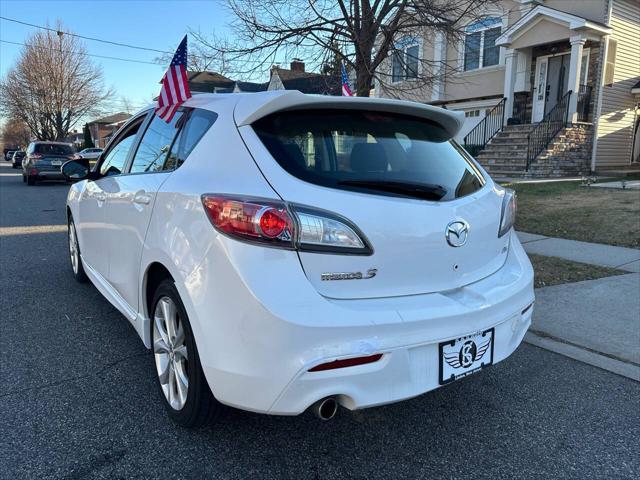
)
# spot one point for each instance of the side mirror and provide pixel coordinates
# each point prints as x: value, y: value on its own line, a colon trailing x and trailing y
x: 76, y: 169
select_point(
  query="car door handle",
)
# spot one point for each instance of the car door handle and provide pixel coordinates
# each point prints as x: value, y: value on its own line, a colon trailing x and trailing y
x: 142, y: 197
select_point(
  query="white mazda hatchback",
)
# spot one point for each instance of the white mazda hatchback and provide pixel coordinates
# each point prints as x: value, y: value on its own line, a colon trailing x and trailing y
x: 280, y: 251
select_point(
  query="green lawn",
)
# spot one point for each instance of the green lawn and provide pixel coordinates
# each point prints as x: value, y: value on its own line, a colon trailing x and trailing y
x: 569, y: 210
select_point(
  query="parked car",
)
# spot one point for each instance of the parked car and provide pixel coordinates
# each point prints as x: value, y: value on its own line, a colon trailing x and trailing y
x: 17, y: 158
x: 43, y: 161
x: 8, y: 155
x: 282, y: 251
x: 90, y: 153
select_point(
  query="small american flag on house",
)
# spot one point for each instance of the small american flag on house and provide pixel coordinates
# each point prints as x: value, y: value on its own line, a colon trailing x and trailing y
x: 346, y: 89
x: 175, y: 87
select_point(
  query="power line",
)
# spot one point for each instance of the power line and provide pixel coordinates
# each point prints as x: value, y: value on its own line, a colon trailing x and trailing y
x: 85, y: 54
x: 119, y: 44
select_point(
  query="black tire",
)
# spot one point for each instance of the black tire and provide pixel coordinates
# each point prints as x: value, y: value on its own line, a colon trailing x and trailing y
x: 31, y: 180
x: 78, y: 273
x: 200, y: 407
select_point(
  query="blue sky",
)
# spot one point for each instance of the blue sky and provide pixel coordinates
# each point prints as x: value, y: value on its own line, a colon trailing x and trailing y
x: 158, y: 24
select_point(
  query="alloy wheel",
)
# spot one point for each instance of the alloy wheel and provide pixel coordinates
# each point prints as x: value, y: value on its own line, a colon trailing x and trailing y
x: 73, y: 248
x: 170, y: 352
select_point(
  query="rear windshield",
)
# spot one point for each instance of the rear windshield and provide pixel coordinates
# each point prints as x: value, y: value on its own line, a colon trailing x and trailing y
x: 53, y: 149
x: 369, y: 151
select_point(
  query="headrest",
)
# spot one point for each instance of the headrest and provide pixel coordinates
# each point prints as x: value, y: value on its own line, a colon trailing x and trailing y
x: 368, y: 157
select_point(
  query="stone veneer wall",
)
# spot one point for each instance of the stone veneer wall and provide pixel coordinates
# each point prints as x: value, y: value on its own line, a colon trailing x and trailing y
x: 569, y: 154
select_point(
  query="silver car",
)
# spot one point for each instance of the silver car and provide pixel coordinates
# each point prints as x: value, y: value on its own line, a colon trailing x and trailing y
x: 90, y: 153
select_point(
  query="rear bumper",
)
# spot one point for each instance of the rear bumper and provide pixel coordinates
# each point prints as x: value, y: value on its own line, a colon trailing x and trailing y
x: 49, y: 175
x: 257, y: 354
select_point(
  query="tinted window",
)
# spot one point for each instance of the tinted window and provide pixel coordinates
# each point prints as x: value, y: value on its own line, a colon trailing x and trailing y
x: 197, y: 124
x: 336, y: 147
x: 53, y: 149
x: 155, y: 144
x: 114, y: 161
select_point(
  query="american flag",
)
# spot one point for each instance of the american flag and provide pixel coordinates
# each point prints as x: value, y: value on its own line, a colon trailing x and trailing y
x: 175, y: 87
x: 346, y: 89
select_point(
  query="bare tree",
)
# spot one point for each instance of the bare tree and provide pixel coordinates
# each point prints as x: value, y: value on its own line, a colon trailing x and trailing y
x: 53, y: 85
x: 362, y: 32
x: 15, y: 133
x: 202, y: 58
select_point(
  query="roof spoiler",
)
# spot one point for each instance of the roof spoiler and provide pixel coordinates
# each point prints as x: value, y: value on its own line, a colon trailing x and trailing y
x: 247, y: 110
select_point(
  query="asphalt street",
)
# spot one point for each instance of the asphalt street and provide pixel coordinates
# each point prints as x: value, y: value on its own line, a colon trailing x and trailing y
x: 78, y: 397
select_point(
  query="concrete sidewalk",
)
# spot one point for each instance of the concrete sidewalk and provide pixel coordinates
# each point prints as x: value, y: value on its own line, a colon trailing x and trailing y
x: 595, y: 321
x: 627, y: 259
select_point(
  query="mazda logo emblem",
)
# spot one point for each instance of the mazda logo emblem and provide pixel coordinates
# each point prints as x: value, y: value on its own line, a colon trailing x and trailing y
x: 457, y: 233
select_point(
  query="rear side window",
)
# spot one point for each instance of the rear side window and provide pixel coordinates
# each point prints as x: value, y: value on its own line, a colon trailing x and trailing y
x: 197, y: 124
x: 53, y: 149
x: 349, y: 149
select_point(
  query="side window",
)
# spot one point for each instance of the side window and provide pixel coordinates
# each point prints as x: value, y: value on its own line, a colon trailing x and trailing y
x: 155, y: 144
x: 116, y: 158
x: 196, y: 126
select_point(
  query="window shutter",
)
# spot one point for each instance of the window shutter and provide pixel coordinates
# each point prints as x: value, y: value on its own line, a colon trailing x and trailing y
x: 611, y: 62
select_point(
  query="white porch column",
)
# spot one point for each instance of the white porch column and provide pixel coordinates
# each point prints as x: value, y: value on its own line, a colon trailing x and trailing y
x: 439, y: 57
x: 510, y: 57
x: 575, y: 65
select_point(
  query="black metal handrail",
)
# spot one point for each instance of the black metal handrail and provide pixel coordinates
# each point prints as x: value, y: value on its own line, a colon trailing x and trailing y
x: 491, y: 124
x: 584, y: 100
x: 542, y: 134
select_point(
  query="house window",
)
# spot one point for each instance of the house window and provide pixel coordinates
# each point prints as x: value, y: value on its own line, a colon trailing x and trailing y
x: 480, y: 48
x: 405, y: 60
x: 472, y: 113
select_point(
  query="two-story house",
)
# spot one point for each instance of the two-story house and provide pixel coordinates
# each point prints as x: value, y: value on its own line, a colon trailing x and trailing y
x: 547, y: 87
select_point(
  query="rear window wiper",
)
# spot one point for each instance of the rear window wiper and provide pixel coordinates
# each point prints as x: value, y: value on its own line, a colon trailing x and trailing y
x: 425, y: 191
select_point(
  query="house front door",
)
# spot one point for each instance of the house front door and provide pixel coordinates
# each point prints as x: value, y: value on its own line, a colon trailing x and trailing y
x: 552, y: 80
x: 557, y: 81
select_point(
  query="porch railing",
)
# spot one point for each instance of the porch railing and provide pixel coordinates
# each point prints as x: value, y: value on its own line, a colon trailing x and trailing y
x: 543, y: 132
x: 492, y: 123
x: 584, y: 101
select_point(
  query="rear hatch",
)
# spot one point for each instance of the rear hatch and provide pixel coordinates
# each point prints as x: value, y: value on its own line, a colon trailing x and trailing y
x: 51, y: 156
x: 401, y: 183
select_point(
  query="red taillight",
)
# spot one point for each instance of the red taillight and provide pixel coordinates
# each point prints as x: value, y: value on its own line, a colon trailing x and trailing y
x: 261, y: 221
x: 273, y: 222
x: 347, y: 362
x: 284, y: 225
x: 33, y: 171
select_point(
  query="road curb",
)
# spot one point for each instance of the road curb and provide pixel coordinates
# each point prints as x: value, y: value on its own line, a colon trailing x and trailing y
x: 628, y: 370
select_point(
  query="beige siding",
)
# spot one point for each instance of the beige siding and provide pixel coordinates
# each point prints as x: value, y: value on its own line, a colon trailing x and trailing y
x: 541, y: 33
x: 595, y: 10
x: 615, y: 125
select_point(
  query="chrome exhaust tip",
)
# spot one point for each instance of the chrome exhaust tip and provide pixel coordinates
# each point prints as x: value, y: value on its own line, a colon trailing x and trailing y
x: 325, y: 409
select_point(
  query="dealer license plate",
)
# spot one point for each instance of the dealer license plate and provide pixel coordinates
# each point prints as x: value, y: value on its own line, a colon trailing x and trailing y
x: 466, y: 355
